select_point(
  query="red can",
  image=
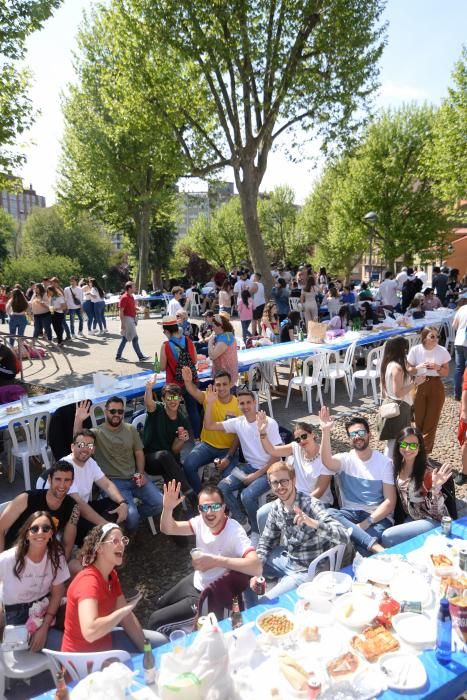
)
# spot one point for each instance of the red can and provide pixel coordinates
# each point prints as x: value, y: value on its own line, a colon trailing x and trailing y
x: 180, y: 432
x: 314, y: 687
x: 260, y: 585
x: 138, y: 479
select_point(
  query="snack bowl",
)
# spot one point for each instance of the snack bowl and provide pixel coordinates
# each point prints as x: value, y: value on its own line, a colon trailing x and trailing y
x: 332, y: 583
x: 314, y: 610
x: 278, y: 624
x: 415, y: 629
x: 355, y: 610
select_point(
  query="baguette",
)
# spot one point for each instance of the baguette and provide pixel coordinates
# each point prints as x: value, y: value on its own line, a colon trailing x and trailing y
x: 295, y: 674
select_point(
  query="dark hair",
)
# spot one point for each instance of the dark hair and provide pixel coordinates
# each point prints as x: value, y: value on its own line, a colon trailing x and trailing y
x: 19, y: 302
x: 436, y: 268
x: 363, y: 285
x: 245, y: 295
x: 410, y: 271
x: 387, y: 274
x: 419, y: 465
x: 222, y: 373
x: 246, y: 392
x: 210, y: 489
x: 220, y: 320
x: 171, y: 328
x: 294, y: 318
x: 281, y: 282
x: 171, y: 389
x: 427, y: 291
x: 94, y: 283
x: 395, y: 350
x: 39, y: 290
x: 54, y: 547
x: 354, y: 420
x: 61, y: 466
x: 226, y: 285
x: 85, y: 432
x: 309, y: 283
x: 114, y: 399
x: 344, y: 311
x: 332, y: 291
x: 302, y: 425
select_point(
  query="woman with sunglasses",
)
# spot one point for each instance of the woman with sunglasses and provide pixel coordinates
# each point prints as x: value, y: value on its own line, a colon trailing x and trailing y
x: 431, y: 361
x: 223, y: 560
x: 95, y: 601
x: 31, y: 571
x: 270, y: 322
x: 418, y: 485
x: 222, y: 347
x: 312, y: 477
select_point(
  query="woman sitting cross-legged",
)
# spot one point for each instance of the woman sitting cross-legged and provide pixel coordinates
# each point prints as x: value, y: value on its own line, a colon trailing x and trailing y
x: 34, y: 571
x: 418, y: 486
x: 95, y: 602
x: 223, y: 562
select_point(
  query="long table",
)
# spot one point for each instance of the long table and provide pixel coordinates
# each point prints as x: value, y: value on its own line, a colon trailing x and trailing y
x: 445, y: 682
x: 131, y: 386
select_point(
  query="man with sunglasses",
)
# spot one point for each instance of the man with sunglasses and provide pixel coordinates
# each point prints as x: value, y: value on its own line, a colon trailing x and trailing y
x: 120, y: 455
x: 223, y: 560
x: 298, y: 529
x: 56, y: 500
x: 365, y: 478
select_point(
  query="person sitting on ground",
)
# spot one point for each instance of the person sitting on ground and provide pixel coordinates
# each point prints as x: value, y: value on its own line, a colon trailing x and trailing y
x: 298, y: 529
x: 222, y: 347
x: 418, y: 484
x: 222, y: 566
x: 312, y: 477
x: 288, y: 327
x: 32, y: 571
x: 55, y: 500
x: 366, y: 483
x: 165, y: 434
x: 430, y: 302
x: 96, y: 604
x: 119, y: 453
x: 214, y: 444
x: 255, y: 483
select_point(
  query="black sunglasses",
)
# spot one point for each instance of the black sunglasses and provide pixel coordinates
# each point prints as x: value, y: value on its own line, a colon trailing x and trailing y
x: 303, y: 436
x: 114, y: 411
x: 40, y: 528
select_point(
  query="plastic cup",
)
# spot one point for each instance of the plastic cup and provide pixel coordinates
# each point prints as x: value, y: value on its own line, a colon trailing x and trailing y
x: 178, y: 639
x: 196, y: 553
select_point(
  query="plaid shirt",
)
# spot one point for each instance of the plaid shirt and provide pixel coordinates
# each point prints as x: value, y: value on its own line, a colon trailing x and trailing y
x: 301, y: 542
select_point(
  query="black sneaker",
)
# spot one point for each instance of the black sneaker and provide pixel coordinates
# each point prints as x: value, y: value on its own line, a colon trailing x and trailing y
x: 143, y: 358
x: 120, y: 359
x: 460, y: 479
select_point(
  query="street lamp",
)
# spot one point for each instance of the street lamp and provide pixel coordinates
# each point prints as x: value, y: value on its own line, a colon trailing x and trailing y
x: 370, y: 220
x: 104, y: 280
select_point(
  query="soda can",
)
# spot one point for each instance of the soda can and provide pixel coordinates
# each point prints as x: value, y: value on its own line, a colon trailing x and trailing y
x: 446, y: 525
x: 138, y: 479
x: 463, y: 560
x: 201, y: 622
x: 413, y: 606
x: 180, y: 432
x: 314, y: 687
x: 217, y: 461
x: 260, y: 585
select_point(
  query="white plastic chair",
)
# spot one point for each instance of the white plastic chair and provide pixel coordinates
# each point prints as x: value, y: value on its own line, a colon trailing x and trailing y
x: 339, y: 370
x: 412, y: 339
x: 335, y: 556
x: 266, y: 378
x: 96, y: 412
x: 22, y: 665
x: 33, y: 445
x: 80, y: 665
x: 195, y: 305
x: 138, y: 423
x: 306, y: 382
x: 450, y: 334
x: 370, y: 373
x: 240, y: 343
x: 294, y: 304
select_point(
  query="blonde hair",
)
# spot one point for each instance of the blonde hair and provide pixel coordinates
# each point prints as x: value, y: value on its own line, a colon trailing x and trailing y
x: 281, y: 467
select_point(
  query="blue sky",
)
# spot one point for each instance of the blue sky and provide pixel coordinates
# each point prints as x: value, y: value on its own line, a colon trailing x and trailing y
x: 424, y: 40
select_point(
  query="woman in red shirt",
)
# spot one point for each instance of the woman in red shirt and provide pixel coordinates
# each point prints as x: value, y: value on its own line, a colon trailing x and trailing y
x: 96, y: 604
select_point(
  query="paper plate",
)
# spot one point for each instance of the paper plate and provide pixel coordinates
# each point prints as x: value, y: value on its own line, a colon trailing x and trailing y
x: 415, y: 629
x: 377, y: 570
x: 333, y: 582
x: 355, y: 610
x: 414, y: 588
x: 403, y: 671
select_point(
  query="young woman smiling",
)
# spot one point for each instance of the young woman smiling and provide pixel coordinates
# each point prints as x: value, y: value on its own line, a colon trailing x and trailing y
x: 418, y: 486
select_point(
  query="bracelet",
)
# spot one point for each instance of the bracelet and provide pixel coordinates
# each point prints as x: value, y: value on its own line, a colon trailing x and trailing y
x: 120, y: 502
x: 263, y: 435
x: 52, y: 615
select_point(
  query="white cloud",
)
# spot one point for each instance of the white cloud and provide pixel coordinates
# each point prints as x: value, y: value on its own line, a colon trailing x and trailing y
x: 391, y: 91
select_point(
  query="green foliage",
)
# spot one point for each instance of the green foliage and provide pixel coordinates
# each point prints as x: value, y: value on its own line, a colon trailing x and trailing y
x: 53, y: 231
x: 277, y: 215
x: 25, y: 269
x: 8, y: 234
x: 447, y: 154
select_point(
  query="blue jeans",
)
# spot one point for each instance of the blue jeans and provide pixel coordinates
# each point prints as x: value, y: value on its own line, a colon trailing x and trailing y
x: 17, y: 324
x: 248, y: 495
x: 120, y: 640
x: 99, y: 315
x: 203, y: 454
x: 135, y: 344
x: 363, y: 539
x: 88, y: 308
x: 149, y: 495
x: 278, y: 565
x: 245, y: 331
x: 406, y: 530
x: 43, y: 324
x: 73, y: 313
x: 461, y: 363
x: 20, y: 615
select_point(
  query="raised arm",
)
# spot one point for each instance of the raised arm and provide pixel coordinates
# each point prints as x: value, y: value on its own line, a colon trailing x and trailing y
x: 209, y: 423
x: 11, y: 513
x: 81, y: 413
x: 273, y: 450
x: 171, y: 499
x: 190, y: 386
x: 94, y: 627
x: 327, y: 459
x: 149, y: 402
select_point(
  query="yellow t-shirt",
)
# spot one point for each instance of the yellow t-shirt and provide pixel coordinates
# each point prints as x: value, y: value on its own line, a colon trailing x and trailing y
x: 220, y: 412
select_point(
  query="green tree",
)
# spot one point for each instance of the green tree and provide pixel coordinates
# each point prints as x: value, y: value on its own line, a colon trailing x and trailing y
x: 18, y: 19
x: 447, y: 154
x: 8, y: 233
x: 231, y: 79
x: 117, y: 159
x: 54, y: 231
x: 25, y: 269
x: 277, y: 216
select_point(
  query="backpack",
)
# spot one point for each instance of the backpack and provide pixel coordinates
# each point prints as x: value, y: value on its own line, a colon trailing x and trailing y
x: 184, y: 360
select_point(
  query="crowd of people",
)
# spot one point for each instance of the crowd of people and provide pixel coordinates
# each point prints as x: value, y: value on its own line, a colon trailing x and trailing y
x: 280, y: 498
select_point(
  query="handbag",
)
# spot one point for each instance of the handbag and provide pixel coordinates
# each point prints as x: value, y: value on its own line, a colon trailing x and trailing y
x: 389, y: 410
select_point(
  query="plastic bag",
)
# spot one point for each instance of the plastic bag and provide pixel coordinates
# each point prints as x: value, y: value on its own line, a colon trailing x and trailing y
x: 109, y: 684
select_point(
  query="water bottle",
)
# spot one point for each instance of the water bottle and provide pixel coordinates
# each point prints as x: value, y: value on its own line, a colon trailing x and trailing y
x: 444, y: 633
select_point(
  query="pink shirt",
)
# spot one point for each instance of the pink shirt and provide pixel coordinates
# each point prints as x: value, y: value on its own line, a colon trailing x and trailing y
x: 245, y: 312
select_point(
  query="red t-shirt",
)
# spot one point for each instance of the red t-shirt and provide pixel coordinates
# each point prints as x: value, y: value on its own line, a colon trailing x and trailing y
x: 464, y: 385
x: 128, y: 304
x: 89, y: 583
x: 3, y: 301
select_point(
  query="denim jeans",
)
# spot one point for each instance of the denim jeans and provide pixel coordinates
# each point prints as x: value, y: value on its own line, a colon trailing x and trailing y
x: 88, y: 308
x: 20, y: 615
x: 406, y: 530
x: 17, y: 323
x: 73, y: 313
x: 149, y: 495
x: 43, y: 324
x: 248, y: 495
x: 135, y: 344
x: 203, y: 454
x: 245, y: 331
x: 120, y: 640
x: 461, y: 364
x: 363, y: 539
x: 277, y: 565
x: 99, y: 315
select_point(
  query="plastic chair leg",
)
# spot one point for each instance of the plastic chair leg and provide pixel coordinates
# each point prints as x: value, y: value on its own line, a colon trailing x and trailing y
x: 26, y: 472
x: 289, y: 389
x: 309, y: 398
x: 333, y: 390
x: 152, y: 525
x: 319, y: 393
x: 373, y: 386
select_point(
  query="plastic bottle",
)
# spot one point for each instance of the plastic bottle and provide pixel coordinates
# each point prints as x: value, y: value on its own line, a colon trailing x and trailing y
x: 444, y: 633
x: 149, y: 665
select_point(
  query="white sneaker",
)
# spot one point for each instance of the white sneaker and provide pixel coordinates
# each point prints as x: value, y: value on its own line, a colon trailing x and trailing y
x: 254, y: 538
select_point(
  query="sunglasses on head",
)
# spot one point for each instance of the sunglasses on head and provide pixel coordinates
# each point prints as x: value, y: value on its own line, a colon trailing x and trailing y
x: 357, y: 433
x: 410, y: 445
x: 206, y: 507
x: 116, y: 411
x: 302, y: 436
x: 40, y: 528
x: 172, y: 397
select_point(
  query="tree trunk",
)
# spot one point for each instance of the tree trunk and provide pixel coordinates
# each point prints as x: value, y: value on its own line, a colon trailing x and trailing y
x: 248, y: 188
x: 143, y: 246
x: 156, y: 276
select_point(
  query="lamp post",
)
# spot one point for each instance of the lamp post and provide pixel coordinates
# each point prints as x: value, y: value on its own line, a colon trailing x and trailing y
x: 104, y: 280
x: 370, y: 220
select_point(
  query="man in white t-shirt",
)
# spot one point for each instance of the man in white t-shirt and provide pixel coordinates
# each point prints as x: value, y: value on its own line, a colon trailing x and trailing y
x: 241, y: 283
x: 366, y: 483
x: 253, y: 482
x: 223, y: 561
x: 174, y: 304
x: 87, y: 472
x: 459, y: 324
x: 259, y: 300
x: 388, y: 291
x: 401, y: 278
